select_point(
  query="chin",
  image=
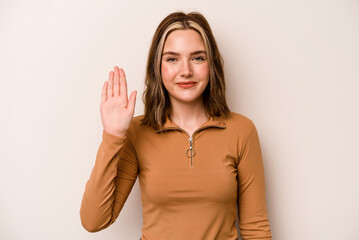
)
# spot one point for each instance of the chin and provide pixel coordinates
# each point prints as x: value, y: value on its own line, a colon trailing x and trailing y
x: 188, y: 100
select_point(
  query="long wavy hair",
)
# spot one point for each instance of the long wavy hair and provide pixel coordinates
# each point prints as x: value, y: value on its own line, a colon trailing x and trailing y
x: 155, y: 96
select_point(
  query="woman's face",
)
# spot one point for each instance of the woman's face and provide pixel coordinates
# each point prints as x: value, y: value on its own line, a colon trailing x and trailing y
x: 184, y: 66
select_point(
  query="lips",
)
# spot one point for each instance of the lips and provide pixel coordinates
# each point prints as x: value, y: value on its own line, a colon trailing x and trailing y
x: 188, y: 84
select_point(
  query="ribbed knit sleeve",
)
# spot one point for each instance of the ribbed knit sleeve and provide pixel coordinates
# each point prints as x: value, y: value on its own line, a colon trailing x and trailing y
x: 253, y: 219
x: 110, y: 182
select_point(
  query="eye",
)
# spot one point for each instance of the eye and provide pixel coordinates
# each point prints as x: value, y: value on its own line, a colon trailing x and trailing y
x: 171, y: 59
x: 199, y: 58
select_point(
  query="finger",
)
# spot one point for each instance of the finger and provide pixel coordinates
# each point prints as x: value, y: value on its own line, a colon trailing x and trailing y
x: 132, y: 102
x: 104, y: 92
x: 123, y: 84
x: 116, y: 83
x: 110, y: 85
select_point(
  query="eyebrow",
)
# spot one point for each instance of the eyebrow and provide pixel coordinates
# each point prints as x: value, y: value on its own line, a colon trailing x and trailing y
x: 177, y: 54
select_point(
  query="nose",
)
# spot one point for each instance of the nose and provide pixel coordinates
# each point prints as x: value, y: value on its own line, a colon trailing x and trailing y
x: 186, y: 69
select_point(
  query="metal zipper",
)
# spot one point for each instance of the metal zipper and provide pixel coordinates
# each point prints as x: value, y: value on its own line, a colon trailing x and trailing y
x: 191, y: 150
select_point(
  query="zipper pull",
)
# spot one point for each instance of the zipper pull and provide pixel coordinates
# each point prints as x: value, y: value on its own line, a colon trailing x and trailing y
x: 192, y: 151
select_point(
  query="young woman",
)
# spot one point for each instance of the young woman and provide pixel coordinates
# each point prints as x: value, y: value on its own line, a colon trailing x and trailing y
x: 196, y: 160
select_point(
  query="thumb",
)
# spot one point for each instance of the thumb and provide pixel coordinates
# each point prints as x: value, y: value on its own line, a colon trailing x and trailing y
x: 132, y: 101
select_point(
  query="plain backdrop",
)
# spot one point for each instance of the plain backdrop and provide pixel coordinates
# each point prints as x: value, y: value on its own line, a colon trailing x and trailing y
x: 291, y: 66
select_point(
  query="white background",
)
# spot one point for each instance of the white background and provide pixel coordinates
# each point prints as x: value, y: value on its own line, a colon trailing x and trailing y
x: 291, y: 67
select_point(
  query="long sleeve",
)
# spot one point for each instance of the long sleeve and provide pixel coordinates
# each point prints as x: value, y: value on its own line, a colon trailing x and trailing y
x: 111, y: 180
x: 252, y: 212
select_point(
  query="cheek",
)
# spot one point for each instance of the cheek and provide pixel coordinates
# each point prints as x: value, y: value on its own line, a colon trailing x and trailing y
x: 167, y: 71
x: 204, y: 70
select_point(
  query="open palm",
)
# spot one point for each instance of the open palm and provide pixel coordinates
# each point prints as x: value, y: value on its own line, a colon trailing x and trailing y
x: 116, y: 109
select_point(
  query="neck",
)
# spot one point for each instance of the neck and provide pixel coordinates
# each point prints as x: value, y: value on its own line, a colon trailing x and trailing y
x: 188, y: 113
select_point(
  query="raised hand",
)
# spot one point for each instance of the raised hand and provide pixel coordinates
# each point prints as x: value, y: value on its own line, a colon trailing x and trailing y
x: 116, y: 109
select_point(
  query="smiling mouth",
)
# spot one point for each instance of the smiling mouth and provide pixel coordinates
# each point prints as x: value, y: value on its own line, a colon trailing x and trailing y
x: 186, y: 85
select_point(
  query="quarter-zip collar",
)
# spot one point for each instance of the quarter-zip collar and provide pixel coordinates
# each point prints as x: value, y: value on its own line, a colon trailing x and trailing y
x: 211, y: 122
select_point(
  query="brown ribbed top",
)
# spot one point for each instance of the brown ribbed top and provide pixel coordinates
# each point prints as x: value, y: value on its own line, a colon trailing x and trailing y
x: 187, y: 193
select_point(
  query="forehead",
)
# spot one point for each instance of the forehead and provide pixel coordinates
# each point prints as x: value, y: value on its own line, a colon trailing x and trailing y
x: 184, y: 40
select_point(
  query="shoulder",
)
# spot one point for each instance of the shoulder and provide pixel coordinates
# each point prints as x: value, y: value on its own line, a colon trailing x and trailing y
x: 136, y: 123
x: 242, y: 128
x: 136, y: 128
x: 239, y: 125
x: 238, y: 121
x: 136, y: 120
